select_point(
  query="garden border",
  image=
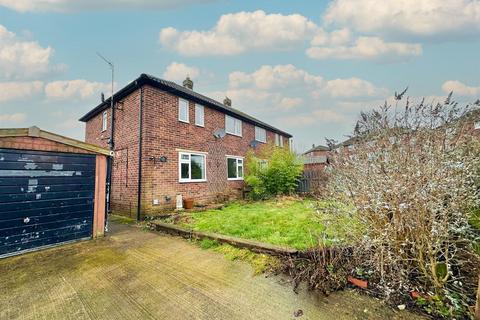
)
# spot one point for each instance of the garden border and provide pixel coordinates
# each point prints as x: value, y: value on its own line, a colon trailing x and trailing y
x: 254, y: 246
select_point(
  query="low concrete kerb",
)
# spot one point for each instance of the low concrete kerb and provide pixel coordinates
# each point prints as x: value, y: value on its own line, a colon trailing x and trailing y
x: 254, y: 246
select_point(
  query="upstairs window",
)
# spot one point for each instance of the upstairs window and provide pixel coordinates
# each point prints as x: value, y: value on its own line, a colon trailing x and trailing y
x: 104, y: 121
x: 183, y: 110
x: 192, y: 167
x: 233, y: 126
x: 199, y: 115
x: 278, y: 140
x: 260, y: 134
x: 235, y: 168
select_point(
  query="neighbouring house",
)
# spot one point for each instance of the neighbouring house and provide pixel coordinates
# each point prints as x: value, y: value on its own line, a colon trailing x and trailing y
x: 316, y: 158
x: 169, y: 140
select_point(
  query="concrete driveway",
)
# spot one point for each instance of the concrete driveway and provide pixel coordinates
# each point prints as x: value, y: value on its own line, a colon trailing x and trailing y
x: 134, y: 274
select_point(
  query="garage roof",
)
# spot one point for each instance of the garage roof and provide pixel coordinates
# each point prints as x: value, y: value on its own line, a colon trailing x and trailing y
x: 38, y: 133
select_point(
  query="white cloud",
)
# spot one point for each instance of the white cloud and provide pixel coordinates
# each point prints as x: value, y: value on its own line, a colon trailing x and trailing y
x: 353, y: 87
x: 12, y: 119
x: 280, y: 77
x: 459, y: 88
x: 19, y: 90
x: 287, y: 103
x: 276, y: 90
x: 178, y: 72
x: 425, y: 18
x: 238, y: 32
x: 75, y: 89
x: 363, y: 48
x: 84, y: 5
x: 335, y: 38
x: 274, y: 77
x: 21, y: 58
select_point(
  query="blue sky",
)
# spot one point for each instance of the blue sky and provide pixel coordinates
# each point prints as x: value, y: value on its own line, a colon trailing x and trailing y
x: 306, y: 67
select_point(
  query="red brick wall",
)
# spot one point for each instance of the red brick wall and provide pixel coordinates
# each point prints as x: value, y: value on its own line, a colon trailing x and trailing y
x: 125, y: 162
x: 164, y: 135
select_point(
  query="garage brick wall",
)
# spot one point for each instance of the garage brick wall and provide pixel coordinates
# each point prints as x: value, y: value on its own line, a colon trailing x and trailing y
x: 164, y: 135
x: 39, y: 144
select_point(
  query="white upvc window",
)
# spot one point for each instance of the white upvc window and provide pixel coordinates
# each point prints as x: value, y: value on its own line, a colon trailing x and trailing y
x: 192, y: 167
x: 278, y: 140
x: 476, y: 125
x: 104, y: 121
x: 233, y: 126
x: 199, y: 115
x: 260, y: 134
x: 183, y: 110
x: 234, y: 168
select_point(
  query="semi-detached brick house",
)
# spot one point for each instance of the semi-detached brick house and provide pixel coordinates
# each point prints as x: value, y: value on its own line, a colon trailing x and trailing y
x: 170, y: 140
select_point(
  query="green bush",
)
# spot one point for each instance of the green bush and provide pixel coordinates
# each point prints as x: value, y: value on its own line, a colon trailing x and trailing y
x: 273, y: 171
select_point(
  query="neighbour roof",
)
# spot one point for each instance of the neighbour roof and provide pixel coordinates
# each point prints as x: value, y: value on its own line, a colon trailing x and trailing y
x: 38, y: 133
x: 180, y: 91
x: 318, y: 148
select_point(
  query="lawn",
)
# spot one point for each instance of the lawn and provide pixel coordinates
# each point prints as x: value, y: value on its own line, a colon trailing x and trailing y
x: 289, y: 222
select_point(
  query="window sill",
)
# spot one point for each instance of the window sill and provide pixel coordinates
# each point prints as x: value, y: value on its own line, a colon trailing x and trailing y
x: 261, y: 141
x: 199, y: 125
x: 235, y: 179
x: 192, y: 181
x: 236, y: 135
x: 183, y: 121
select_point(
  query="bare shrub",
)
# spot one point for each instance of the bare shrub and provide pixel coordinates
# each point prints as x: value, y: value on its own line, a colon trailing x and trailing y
x: 324, y: 268
x: 412, y: 177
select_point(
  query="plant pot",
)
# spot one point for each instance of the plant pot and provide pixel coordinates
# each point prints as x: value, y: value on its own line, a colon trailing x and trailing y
x: 188, y: 203
x: 357, y: 282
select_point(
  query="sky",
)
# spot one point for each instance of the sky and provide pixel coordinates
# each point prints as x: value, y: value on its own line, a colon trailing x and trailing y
x: 306, y: 67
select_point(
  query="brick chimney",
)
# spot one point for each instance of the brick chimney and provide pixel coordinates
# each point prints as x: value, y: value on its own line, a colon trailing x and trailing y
x: 227, y: 102
x: 188, y: 83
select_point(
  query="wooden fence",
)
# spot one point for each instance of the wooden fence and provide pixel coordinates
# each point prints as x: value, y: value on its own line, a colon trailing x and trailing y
x: 312, y: 181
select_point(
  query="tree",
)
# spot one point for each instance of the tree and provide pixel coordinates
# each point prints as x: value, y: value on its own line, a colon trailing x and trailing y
x: 272, y: 171
x: 412, y: 176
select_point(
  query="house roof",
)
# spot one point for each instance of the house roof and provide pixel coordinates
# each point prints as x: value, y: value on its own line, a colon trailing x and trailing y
x: 38, y: 133
x: 317, y: 148
x: 182, y: 92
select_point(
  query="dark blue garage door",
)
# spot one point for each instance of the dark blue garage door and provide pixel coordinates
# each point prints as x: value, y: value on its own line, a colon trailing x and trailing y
x: 45, y: 198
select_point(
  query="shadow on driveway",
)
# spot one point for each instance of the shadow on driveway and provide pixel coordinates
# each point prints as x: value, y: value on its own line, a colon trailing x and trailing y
x: 134, y: 274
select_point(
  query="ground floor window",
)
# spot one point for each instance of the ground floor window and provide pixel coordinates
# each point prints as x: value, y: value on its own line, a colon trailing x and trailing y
x: 192, y: 167
x: 235, y: 168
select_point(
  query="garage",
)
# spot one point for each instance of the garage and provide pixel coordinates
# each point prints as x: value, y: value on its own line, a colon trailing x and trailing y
x: 52, y: 190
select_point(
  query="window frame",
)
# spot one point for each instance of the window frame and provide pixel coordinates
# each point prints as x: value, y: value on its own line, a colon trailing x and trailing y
x: 236, y: 158
x: 189, y: 162
x: 256, y: 137
x: 197, y: 108
x: 188, y: 110
x: 476, y: 125
x: 235, y: 122
x: 104, y: 121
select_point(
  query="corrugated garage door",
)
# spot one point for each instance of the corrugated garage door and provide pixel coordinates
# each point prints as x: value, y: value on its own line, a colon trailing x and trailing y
x: 45, y: 198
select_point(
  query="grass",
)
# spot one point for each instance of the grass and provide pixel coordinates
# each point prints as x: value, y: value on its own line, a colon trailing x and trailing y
x: 291, y: 222
x: 260, y: 263
x: 121, y: 219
